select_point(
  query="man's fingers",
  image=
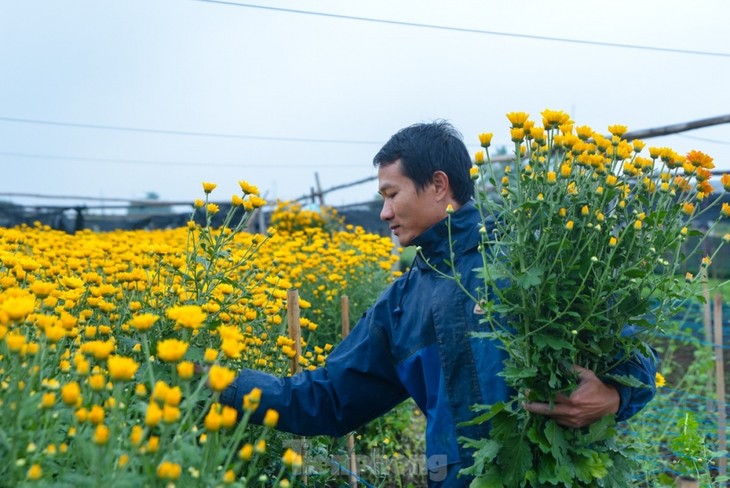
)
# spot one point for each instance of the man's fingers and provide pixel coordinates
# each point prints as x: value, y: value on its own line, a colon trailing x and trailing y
x: 561, y: 398
x: 540, y: 408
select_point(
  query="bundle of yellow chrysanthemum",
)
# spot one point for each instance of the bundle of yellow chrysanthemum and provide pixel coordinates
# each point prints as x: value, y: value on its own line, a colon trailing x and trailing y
x: 586, y: 236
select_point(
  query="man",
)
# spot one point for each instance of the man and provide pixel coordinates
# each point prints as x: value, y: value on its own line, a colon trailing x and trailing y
x: 417, y: 339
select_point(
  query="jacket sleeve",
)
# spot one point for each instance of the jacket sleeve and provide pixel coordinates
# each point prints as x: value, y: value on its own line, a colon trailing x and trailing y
x: 641, y: 367
x: 357, y: 384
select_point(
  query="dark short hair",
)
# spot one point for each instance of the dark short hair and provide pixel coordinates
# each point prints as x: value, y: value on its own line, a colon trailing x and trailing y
x: 429, y: 147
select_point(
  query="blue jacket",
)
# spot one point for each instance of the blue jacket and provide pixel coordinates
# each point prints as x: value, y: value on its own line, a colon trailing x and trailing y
x: 415, y: 341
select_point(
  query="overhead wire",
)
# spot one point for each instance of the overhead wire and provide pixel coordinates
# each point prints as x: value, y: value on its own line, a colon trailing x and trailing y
x: 183, y: 132
x: 178, y: 163
x: 704, y: 139
x: 468, y: 30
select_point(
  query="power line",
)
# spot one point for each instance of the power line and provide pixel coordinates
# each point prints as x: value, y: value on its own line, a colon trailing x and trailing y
x: 176, y: 163
x: 705, y: 139
x: 184, y: 133
x: 468, y: 30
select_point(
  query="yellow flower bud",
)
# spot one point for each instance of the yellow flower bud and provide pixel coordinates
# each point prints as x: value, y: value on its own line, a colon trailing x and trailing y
x: 271, y: 418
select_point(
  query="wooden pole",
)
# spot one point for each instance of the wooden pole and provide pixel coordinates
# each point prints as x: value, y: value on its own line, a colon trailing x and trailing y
x: 686, y: 482
x: 320, y: 195
x: 675, y: 128
x: 720, y: 384
x: 345, y: 301
x: 262, y: 221
x: 295, y: 328
x: 295, y: 334
x: 707, y: 322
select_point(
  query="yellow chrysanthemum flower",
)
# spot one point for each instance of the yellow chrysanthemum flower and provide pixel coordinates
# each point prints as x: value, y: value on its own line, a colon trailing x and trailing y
x: 168, y: 470
x: 188, y: 316
x: 171, y: 350
x: 213, y: 419
x: 18, y: 308
x: 517, y: 119
x: 251, y: 400
x: 725, y: 210
x: 688, y: 208
x: 271, y: 418
x: 700, y: 160
x: 101, y: 435
x: 478, y: 159
x: 517, y: 134
x: 219, y: 377
x: 153, y: 415
x: 122, y: 368
x: 485, y: 139
x: 185, y: 370
x: 71, y: 393
x: 144, y: 322
x: 725, y: 181
x: 246, y: 452
x: 35, y: 472
x: 554, y: 118
x: 292, y: 459
x: 617, y: 130
x: 247, y: 188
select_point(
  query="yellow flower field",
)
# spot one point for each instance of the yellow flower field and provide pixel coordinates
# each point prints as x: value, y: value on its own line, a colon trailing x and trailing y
x: 100, y: 333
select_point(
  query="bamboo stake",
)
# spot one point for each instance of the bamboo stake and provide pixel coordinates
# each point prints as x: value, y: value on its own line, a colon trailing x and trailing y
x: 685, y: 482
x: 707, y: 322
x: 295, y: 334
x: 345, y: 301
x: 320, y: 194
x: 295, y: 328
x: 720, y: 384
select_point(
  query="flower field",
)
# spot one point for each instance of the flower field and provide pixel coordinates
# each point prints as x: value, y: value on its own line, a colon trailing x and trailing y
x: 100, y: 334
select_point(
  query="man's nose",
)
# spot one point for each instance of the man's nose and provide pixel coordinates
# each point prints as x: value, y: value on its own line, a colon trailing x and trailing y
x: 386, y: 213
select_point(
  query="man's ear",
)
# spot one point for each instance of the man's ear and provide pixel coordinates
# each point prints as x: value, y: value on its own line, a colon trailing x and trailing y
x: 441, y: 185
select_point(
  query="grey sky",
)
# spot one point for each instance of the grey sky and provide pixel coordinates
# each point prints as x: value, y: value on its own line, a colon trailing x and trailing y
x: 311, y: 93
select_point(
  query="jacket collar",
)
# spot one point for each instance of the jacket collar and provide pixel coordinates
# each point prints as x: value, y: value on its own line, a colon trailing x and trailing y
x: 434, y: 242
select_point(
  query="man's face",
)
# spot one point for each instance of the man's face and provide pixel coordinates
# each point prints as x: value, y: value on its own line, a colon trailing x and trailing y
x: 408, y: 213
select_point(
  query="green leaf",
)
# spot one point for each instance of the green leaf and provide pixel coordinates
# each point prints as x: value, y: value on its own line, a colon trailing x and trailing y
x: 491, y: 479
x: 531, y: 277
x: 491, y: 272
x: 546, y: 471
x: 600, y: 430
x: 538, y: 438
x: 517, y: 372
x: 556, y: 438
x: 634, y: 273
x: 584, y: 467
x: 554, y: 342
x: 485, y: 417
x: 519, y: 457
x: 487, y: 452
x: 504, y: 427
